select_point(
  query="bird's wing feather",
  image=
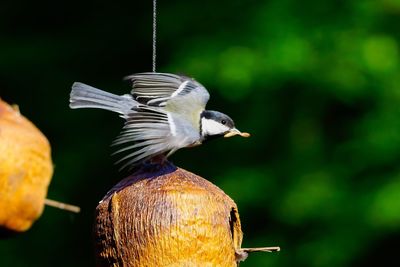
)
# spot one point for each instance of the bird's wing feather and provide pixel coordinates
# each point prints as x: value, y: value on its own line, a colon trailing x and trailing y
x: 157, y: 89
x: 147, y: 133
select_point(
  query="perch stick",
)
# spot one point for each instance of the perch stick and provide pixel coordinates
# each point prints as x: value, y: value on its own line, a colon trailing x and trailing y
x: 62, y: 206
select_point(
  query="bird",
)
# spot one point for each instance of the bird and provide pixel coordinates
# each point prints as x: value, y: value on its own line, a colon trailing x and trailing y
x: 163, y: 112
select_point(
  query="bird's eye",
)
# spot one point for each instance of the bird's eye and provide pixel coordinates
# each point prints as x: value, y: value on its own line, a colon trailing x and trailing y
x: 223, y: 122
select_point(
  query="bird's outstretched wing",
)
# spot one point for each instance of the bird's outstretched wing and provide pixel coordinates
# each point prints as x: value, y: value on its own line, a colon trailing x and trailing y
x: 158, y: 89
x: 146, y: 134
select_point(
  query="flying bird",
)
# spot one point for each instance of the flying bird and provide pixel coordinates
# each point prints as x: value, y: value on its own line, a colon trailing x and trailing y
x: 164, y: 112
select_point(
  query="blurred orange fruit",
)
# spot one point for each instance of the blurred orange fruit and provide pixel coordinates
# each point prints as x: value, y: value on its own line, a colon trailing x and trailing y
x: 25, y: 170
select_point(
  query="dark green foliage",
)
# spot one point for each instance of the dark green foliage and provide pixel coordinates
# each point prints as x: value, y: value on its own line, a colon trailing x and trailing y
x: 316, y: 83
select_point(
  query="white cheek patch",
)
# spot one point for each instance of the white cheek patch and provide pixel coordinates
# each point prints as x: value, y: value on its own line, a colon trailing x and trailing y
x: 212, y: 127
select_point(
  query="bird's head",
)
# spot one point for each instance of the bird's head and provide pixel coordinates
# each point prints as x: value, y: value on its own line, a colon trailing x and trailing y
x: 214, y: 124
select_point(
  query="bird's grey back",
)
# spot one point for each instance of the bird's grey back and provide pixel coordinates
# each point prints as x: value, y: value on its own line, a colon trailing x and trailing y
x: 181, y: 96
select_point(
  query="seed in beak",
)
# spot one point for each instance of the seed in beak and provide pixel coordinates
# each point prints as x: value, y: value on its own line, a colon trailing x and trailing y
x: 234, y: 132
x: 245, y: 135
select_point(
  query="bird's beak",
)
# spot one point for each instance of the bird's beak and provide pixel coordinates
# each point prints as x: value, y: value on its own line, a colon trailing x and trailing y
x: 234, y: 132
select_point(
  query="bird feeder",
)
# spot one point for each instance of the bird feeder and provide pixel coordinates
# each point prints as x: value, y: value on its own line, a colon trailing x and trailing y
x: 25, y: 170
x: 166, y: 216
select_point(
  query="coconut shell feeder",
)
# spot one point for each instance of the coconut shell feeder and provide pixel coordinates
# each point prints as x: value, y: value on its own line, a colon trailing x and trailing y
x: 166, y: 216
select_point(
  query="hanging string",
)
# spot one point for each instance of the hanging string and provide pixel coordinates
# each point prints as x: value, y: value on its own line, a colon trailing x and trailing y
x: 154, y: 33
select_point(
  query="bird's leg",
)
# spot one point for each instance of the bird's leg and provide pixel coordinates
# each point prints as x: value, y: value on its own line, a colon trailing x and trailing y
x: 161, y: 159
x: 158, y: 159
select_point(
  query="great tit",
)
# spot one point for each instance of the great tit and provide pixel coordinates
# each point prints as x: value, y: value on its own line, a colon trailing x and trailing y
x: 164, y: 112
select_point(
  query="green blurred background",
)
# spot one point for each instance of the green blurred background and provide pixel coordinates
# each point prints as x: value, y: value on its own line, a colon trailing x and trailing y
x: 316, y: 83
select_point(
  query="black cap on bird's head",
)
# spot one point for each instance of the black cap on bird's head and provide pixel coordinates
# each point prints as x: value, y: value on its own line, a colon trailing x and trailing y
x: 214, y: 123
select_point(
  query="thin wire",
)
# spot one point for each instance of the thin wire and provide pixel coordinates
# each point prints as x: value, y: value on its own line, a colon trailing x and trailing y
x: 154, y: 33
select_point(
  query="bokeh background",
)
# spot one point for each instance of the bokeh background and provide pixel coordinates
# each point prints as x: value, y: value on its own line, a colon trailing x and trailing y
x: 315, y: 82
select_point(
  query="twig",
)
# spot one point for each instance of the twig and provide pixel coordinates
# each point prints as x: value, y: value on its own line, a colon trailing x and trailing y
x: 243, y: 253
x: 62, y: 206
x: 264, y: 249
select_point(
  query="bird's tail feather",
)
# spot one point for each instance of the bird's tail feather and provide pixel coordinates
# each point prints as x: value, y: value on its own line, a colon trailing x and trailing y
x: 85, y: 96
